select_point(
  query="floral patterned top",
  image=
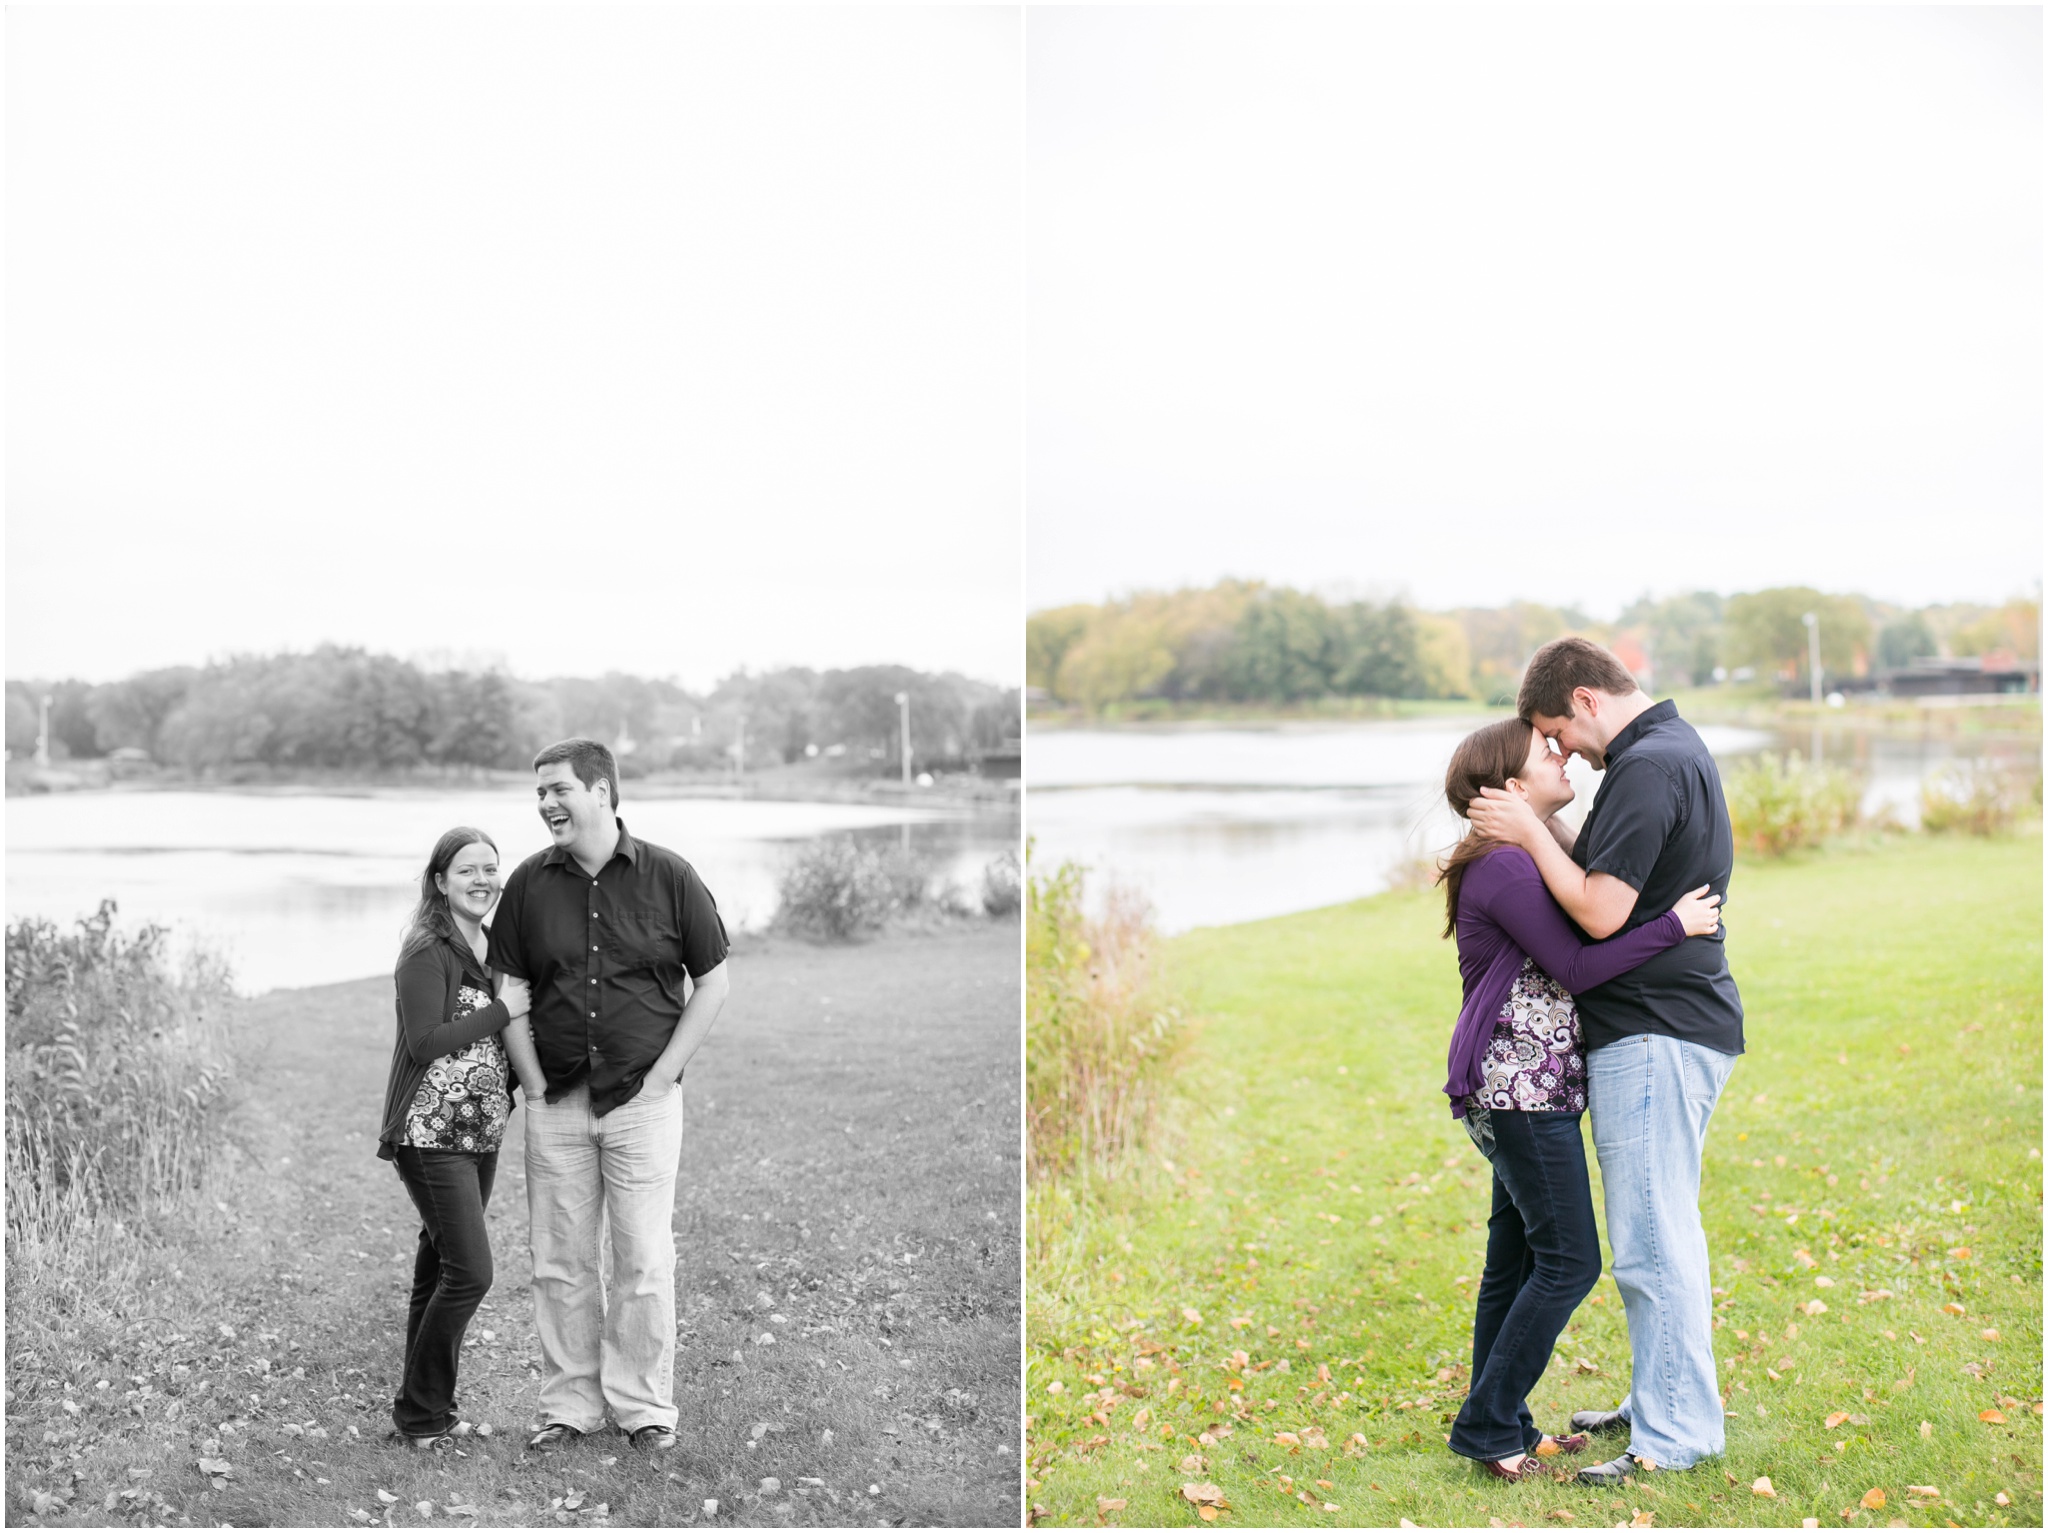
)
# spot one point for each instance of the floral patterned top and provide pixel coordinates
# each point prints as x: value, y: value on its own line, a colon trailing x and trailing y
x: 1536, y: 1060
x: 466, y: 1097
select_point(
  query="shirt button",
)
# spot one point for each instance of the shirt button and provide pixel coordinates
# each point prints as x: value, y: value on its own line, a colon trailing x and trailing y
x: 593, y: 1016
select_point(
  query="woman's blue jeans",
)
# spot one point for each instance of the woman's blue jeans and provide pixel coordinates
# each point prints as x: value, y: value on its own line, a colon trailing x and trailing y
x: 1542, y: 1259
x: 451, y: 1273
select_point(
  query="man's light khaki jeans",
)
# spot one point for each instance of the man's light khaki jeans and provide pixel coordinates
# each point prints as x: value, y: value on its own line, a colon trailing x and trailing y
x: 584, y: 1174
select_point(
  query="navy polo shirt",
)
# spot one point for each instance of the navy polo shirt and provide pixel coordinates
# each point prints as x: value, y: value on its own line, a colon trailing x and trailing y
x: 605, y: 958
x: 1659, y: 823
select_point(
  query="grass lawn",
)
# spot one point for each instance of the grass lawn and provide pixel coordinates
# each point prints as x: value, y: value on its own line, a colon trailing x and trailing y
x: 848, y: 1188
x: 1279, y: 1303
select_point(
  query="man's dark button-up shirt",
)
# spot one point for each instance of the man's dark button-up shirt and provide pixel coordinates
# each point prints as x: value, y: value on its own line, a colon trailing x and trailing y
x: 1659, y: 823
x: 605, y: 958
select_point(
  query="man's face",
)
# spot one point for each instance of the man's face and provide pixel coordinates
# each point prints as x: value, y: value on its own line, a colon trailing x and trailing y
x: 568, y: 808
x: 1577, y: 734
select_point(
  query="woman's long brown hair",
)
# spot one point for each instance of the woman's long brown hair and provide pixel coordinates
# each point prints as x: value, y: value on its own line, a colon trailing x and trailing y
x: 1486, y: 758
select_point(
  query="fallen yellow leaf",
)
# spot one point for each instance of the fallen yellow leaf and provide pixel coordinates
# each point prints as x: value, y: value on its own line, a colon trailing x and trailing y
x: 1996, y: 1418
x: 1762, y: 1486
x: 1953, y: 1308
x: 1873, y: 1498
x: 1104, y: 1505
x: 1835, y: 1419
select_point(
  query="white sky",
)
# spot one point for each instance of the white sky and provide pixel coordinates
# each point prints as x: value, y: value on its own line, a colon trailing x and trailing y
x: 654, y: 340
x: 1543, y: 303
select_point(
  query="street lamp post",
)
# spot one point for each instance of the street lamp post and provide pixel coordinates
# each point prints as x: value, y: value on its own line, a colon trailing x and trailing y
x: 903, y: 702
x: 1812, y: 622
x: 43, y: 733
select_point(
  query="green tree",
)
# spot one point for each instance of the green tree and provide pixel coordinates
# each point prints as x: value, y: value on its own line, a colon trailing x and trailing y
x: 1904, y: 640
x: 1283, y: 650
x: 1682, y: 634
x: 1376, y: 651
x: 1048, y: 636
x: 1765, y: 629
x: 1124, y: 652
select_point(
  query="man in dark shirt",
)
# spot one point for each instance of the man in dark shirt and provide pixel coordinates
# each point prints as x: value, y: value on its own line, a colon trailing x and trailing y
x: 625, y: 953
x: 1661, y: 1040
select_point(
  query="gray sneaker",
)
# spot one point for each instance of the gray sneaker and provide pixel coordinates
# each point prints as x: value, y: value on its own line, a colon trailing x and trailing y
x: 1599, y: 1421
x: 1613, y: 1472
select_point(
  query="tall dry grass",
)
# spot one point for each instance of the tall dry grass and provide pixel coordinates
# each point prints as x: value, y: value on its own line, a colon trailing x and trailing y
x: 1099, y: 1035
x: 1778, y: 804
x: 839, y: 888
x: 1978, y: 799
x: 117, y: 1071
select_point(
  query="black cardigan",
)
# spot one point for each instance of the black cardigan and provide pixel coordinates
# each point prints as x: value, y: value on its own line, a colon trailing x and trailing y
x: 428, y: 982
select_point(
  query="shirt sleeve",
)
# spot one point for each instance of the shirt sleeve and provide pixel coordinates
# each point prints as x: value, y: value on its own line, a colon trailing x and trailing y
x: 508, y: 947
x: 1639, y: 808
x: 1518, y: 903
x: 426, y: 1009
x: 700, y: 929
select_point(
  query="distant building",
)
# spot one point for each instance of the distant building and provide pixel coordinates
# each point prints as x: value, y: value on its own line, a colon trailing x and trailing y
x: 1935, y: 677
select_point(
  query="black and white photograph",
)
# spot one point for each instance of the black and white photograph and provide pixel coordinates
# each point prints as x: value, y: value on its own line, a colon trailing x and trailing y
x: 514, y: 663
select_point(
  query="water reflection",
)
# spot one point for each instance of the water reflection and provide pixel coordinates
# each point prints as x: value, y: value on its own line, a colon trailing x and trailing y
x: 1218, y: 825
x: 304, y: 888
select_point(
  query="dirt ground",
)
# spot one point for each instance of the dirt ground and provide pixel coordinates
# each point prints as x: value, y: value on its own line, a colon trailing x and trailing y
x: 849, y: 1188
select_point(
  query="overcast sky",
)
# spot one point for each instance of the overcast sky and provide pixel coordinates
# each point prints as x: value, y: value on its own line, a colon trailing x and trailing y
x: 656, y: 340
x: 1558, y: 304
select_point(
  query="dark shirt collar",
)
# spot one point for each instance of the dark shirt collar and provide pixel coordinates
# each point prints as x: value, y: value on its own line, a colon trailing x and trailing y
x: 627, y: 848
x: 1640, y: 725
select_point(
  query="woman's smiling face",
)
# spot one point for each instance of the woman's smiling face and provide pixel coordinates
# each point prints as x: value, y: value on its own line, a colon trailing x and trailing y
x: 471, y: 882
x: 1544, y: 780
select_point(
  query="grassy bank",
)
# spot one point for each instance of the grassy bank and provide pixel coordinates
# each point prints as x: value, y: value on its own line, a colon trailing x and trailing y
x: 1282, y: 1309
x: 849, y: 1181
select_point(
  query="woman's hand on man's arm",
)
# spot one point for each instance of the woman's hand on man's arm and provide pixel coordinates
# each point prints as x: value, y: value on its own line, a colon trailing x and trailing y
x: 516, y: 994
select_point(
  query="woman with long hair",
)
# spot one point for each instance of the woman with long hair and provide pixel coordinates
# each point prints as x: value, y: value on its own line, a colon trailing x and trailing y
x: 444, y: 1114
x: 1518, y: 1082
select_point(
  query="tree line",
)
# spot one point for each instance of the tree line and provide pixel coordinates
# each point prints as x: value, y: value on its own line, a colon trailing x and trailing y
x: 1243, y: 641
x: 344, y: 710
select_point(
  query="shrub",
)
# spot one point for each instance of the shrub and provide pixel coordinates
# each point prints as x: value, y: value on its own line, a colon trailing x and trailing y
x: 1977, y: 799
x: 1098, y: 1042
x: 1780, y: 803
x: 117, y: 1069
x: 1002, y: 886
x: 839, y: 888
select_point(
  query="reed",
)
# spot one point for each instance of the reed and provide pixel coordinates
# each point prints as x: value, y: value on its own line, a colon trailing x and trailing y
x: 1778, y: 804
x: 840, y: 889
x: 1099, y: 1038
x: 117, y: 1070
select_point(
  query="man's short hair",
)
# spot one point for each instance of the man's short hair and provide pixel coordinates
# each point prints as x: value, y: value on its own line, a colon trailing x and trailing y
x: 587, y: 759
x: 1560, y: 668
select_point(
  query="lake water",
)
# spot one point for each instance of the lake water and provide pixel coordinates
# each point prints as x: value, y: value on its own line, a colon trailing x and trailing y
x: 1217, y: 825
x: 309, y: 888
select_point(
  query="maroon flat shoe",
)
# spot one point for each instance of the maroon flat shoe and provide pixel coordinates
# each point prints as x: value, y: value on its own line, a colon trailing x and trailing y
x: 1500, y: 1471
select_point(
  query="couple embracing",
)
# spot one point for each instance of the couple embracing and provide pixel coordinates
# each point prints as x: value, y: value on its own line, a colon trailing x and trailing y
x: 597, y: 980
x: 1595, y: 980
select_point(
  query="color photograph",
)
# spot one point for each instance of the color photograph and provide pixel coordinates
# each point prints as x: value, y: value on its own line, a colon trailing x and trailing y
x: 1533, y: 767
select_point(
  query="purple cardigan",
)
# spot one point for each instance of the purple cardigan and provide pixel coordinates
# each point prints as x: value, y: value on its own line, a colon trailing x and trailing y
x: 1504, y: 915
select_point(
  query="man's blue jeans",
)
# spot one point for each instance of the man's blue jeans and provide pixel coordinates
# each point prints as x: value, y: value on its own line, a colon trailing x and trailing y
x: 1650, y: 1099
